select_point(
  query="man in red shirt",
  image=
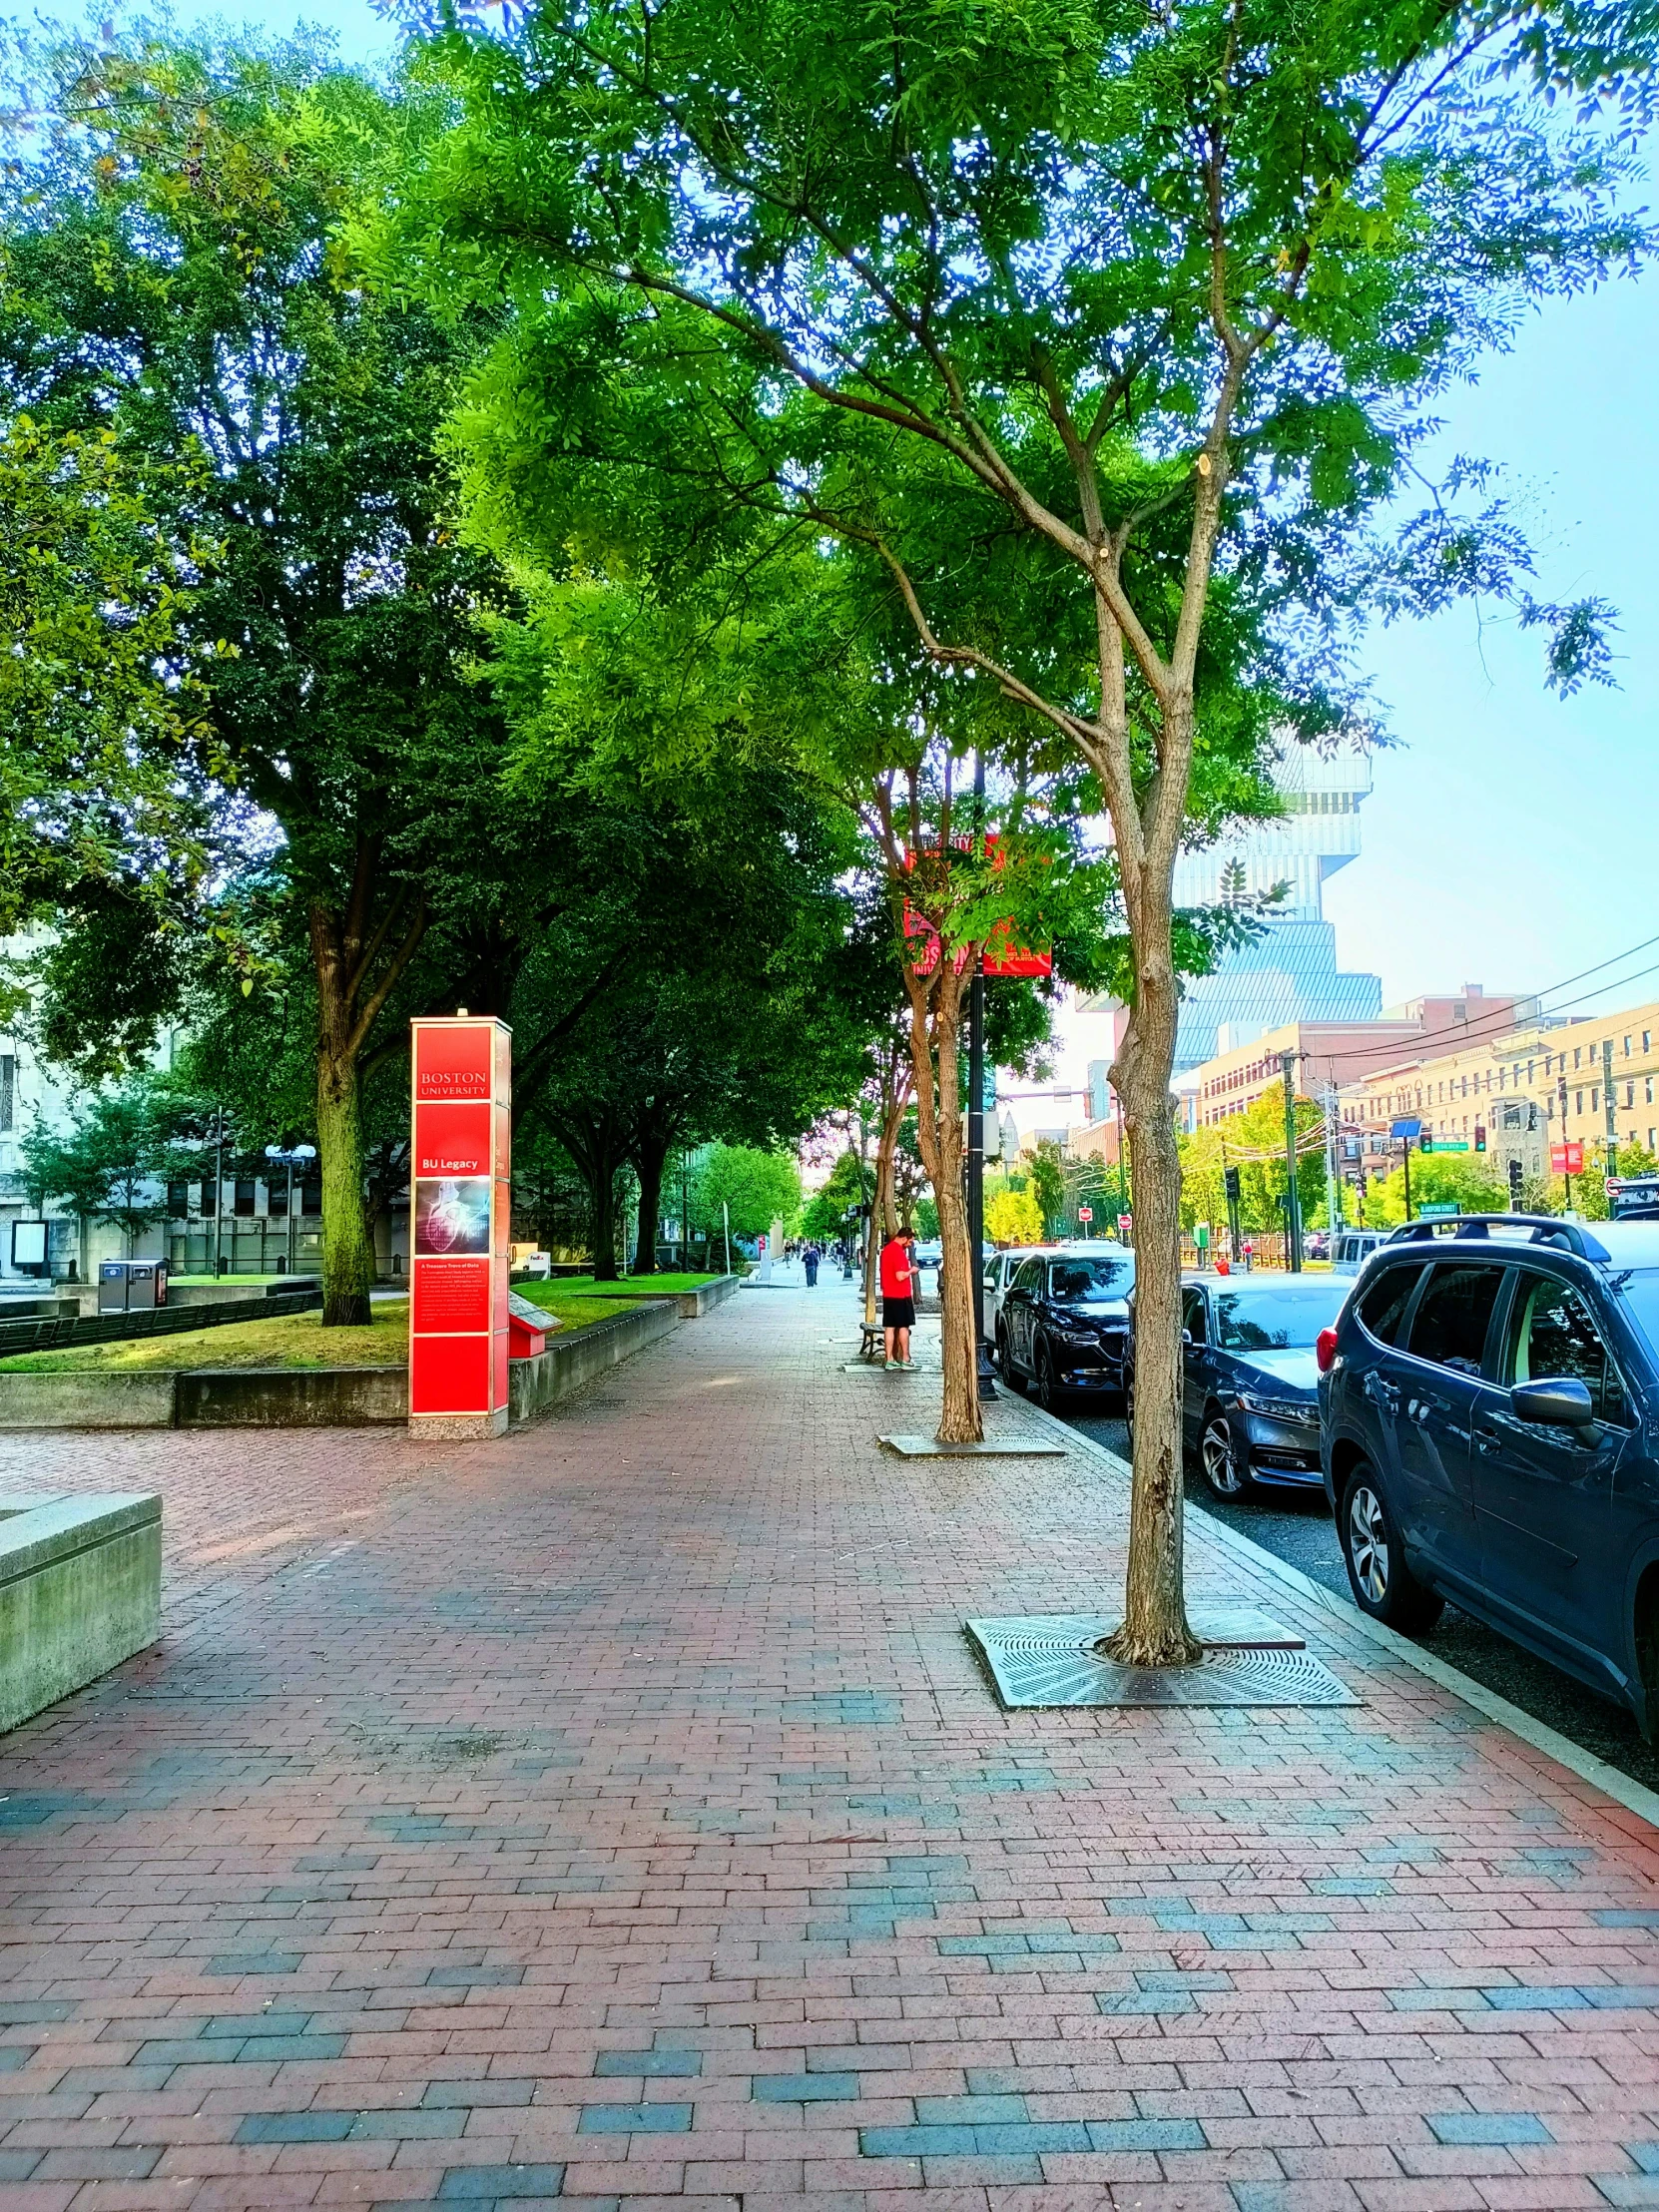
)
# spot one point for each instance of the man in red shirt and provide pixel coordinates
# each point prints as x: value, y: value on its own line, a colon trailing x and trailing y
x: 898, y: 1304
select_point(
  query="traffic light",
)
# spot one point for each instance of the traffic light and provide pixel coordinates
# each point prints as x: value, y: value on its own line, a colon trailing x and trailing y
x: 1230, y: 1178
x: 1425, y: 1142
x: 1479, y: 1138
x: 1514, y: 1186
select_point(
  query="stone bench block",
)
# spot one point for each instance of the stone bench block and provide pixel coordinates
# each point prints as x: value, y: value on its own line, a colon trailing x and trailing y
x: 80, y: 1591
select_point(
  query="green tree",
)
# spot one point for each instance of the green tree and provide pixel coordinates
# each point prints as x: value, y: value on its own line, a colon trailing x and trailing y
x: 1155, y: 302
x: 109, y: 1165
x: 104, y: 746
x: 175, y: 280
x: 1014, y: 1218
x: 844, y: 1190
x: 1466, y: 1179
x: 1048, y: 1182
x: 754, y: 1188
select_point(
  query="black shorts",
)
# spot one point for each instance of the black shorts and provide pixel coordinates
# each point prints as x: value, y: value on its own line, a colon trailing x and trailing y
x: 898, y: 1313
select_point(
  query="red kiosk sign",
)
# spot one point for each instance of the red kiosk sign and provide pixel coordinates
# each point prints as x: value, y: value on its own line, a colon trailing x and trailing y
x: 459, y: 1225
x: 1568, y: 1158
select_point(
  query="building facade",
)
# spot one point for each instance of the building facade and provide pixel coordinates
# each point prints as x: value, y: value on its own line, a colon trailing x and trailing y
x: 1289, y: 973
x: 1523, y: 1089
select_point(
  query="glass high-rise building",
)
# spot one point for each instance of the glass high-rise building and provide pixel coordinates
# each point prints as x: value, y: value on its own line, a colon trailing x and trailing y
x: 1289, y: 973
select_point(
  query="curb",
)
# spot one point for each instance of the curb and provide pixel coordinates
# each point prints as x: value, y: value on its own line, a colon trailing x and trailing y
x: 1634, y: 1796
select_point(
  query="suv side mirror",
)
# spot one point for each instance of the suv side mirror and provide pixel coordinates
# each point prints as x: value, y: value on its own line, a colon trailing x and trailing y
x: 1187, y: 1337
x: 1564, y: 1402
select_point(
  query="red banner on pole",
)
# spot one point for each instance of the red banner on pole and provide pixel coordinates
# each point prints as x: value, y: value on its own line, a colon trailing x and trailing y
x: 1567, y: 1159
x: 459, y: 1223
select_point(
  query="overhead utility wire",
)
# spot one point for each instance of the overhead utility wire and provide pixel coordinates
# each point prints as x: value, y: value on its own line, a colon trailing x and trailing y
x: 1499, y: 1020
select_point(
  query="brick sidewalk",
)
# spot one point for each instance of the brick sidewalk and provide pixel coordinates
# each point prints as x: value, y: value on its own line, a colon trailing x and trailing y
x: 616, y: 1811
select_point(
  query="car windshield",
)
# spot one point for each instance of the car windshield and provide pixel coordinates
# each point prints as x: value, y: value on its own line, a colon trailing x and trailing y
x: 1641, y: 1294
x: 1079, y: 1281
x: 1273, y: 1318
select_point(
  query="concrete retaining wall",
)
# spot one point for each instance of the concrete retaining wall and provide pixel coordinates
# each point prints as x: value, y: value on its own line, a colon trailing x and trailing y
x: 292, y: 1398
x: 67, y: 1399
x: 707, y: 1295
x: 569, y: 1362
x: 80, y: 1591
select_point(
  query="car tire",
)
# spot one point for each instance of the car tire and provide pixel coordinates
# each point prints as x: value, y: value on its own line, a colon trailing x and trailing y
x: 1047, y: 1388
x: 1382, y: 1584
x: 1217, y: 1458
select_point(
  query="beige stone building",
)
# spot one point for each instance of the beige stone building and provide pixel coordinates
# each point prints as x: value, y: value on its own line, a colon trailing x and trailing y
x: 1526, y: 1088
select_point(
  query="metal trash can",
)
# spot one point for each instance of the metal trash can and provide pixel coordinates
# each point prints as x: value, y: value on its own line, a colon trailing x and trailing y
x: 130, y: 1286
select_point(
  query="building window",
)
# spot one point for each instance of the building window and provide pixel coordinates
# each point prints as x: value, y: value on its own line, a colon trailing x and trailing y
x: 1646, y: 1035
x: 177, y: 1200
x: 1630, y: 1094
x: 1576, y: 1051
x: 1578, y: 1102
x: 209, y: 1201
x: 1627, y: 1048
x: 1650, y: 1090
x: 1595, y: 1098
x: 245, y: 1194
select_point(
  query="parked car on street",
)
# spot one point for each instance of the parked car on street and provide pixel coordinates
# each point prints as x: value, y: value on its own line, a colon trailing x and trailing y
x: 1000, y: 1270
x: 1355, y: 1247
x: 1489, y: 1431
x: 1064, y: 1320
x: 1250, y: 1378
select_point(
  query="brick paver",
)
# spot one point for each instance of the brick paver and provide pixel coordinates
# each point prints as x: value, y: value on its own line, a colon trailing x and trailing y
x: 616, y: 1813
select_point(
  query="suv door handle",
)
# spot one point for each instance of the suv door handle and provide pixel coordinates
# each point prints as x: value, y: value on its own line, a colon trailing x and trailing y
x: 1487, y: 1440
x: 1381, y: 1393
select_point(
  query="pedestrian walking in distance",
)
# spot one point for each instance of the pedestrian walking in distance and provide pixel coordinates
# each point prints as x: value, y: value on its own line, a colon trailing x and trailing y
x: 899, y: 1300
x: 808, y: 1260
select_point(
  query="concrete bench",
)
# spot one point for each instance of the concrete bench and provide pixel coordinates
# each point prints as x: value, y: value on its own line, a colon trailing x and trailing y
x: 80, y: 1591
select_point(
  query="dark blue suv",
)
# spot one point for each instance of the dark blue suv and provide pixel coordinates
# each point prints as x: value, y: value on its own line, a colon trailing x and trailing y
x: 1489, y: 1434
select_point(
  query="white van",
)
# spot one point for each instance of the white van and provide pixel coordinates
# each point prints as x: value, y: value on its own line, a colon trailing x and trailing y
x: 1355, y: 1247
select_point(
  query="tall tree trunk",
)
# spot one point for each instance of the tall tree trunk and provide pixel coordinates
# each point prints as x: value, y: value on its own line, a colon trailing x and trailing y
x: 1155, y: 1630
x: 348, y: 1249
x: 358, y: 967
x: 648, y: 1155
x: 936, y: 1024
x: 602, y: 1202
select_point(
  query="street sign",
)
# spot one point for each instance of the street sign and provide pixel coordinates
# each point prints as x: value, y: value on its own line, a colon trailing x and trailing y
x: 1440, y: 1212
x: 1451, y: 1144
x: 1567, y: 1159
x: 1201, y: 1234
x: 1085, y: 1213
x: 1126, y: 1222
x: 1612, y: 1185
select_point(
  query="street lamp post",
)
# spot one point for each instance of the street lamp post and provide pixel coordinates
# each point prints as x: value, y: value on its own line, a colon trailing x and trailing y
x: 290, y: 1155
x: 1293, y: 1197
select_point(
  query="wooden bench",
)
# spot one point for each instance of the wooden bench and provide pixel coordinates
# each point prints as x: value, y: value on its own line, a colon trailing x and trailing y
x: 872, y: 1342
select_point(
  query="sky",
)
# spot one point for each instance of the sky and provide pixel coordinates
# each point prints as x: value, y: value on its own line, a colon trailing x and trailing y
x: 1511, y: 836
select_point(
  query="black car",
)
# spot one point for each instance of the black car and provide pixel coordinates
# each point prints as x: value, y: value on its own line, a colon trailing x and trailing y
x: 1250, y: 1376
x: 1064, y: 1322
x: 1489, y: 1430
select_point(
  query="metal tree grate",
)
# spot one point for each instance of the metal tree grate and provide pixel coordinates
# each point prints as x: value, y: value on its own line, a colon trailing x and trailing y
x: 1050, y: 1659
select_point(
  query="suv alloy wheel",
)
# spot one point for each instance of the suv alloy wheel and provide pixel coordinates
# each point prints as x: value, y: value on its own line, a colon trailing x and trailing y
x: 1384, y: 1586
x: 1048, y: 1389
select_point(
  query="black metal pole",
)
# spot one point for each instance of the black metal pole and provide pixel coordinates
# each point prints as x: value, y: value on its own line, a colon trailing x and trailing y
x: 976, y: 1121
x: 1293, y: 1196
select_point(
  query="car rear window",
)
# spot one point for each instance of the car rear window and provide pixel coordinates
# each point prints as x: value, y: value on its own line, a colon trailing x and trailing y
x: 1270, y: 1317
x: 1449, y: 1325
x: 1382, y: 1303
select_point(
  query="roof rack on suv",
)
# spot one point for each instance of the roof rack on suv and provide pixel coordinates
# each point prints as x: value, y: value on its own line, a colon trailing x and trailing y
x: 1542, y: 1229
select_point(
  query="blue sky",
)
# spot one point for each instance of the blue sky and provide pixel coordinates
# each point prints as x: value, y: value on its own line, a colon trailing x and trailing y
x: 1512, y: 837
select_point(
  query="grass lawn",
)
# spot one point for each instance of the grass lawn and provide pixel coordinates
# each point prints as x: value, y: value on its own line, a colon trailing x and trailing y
x: 558, y: 1286
x: 286, y: 1340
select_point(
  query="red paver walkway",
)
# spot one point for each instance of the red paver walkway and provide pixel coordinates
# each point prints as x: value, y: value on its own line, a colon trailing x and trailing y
x: 616, y: 1811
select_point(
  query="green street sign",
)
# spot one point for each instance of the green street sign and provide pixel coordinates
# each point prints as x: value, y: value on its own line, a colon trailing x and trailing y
x: 1439, y: 1211
x: 1451, y: 1144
